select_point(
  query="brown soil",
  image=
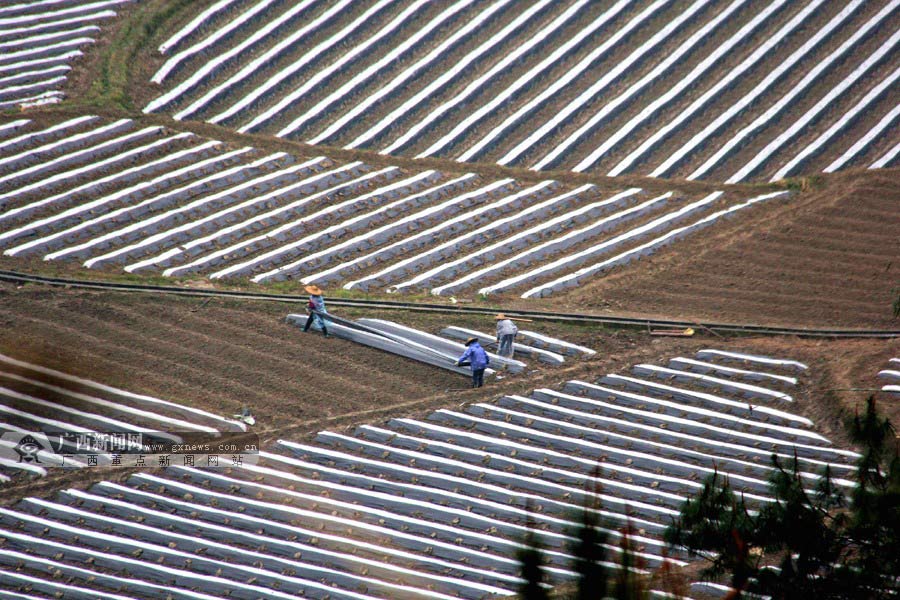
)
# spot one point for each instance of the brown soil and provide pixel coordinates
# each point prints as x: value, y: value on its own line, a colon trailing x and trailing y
x: 220, y: 355
x: 675, y: 203
x: 756, y: 142
x: 828, y: 257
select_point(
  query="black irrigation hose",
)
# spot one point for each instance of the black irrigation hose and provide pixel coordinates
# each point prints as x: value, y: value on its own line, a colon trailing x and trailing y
x: 16, y: 277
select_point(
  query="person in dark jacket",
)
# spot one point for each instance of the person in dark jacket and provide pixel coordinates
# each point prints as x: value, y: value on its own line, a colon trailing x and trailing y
x: 316, y: 306
x: 477, y: 359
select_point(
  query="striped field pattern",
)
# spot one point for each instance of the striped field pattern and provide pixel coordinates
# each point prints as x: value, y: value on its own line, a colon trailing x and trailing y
x: 727, y: 90
x: 112, y: 194
x: 433, y: 507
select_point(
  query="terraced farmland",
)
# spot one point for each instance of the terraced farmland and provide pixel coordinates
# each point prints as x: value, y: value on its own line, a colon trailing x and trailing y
x: 594, y: 157
x: 35, y: 398
x: 891, y: 378
x: 725, y: 90
x: 38, y: 43
x: 429, y: 507
x: 151, y: 200
x: 828, y: 259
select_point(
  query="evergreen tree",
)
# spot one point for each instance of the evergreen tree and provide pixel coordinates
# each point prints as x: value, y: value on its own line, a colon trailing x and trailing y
x: 716, y: 526
x: 589, y: 556
x: 808, y: 543
x: 531, y: 560
x: 805, y: 531
x: 629, y: 584
x: 874, y: 523
x: 596, y: 577
x: 589, y: 551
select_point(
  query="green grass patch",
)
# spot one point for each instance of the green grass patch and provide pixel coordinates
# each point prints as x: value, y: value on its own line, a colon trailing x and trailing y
x: 805, y: 184
x: 120, y: 59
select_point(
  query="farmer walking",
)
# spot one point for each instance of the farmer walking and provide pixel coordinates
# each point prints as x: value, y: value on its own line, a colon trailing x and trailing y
x: 477, y: 359
x: 506, y: 334
x: 316, y: 307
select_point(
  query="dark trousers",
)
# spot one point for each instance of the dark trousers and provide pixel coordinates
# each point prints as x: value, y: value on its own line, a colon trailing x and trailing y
x: 309, y: 321
x: 477, y: 377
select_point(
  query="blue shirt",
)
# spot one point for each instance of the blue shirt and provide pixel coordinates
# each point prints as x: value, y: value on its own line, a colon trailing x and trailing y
x: 476, y: 356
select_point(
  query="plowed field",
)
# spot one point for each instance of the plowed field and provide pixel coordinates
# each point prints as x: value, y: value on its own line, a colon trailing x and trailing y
x: 221, y: 355
x: 830, y: 258
x: 606, y: 88
x: 675, y: 96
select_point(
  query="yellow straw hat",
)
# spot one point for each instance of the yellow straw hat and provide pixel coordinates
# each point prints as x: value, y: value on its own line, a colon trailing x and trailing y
x: 500, y: 317
x: 471, y: 340
x: 313, y: 289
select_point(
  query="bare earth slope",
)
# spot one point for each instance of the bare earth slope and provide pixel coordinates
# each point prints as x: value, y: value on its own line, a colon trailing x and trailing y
x: 829, y: 258
x: 217, y: 354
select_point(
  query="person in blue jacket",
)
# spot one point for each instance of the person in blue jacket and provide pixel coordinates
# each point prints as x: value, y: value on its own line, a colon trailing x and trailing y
x: 316, y: 307
x: 477, y: 359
